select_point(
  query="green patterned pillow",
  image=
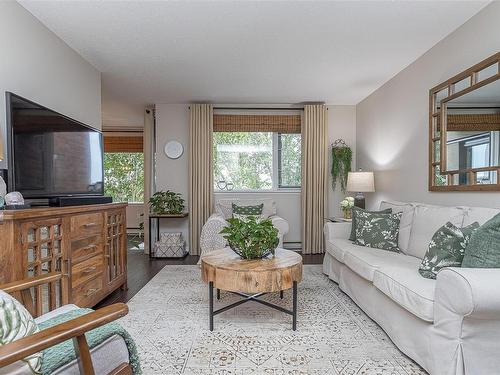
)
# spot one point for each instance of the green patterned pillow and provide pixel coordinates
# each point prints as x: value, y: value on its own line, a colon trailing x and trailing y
x: 15, y: 323
x: 446, y: 249
x: 355, y: 211
x: 248, y: 210
x: 380, y: 231
x: 483, y: 250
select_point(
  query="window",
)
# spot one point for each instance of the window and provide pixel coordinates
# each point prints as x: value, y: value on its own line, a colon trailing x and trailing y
x: 124, y: 168
x: 256, y: 160
x: 289, y: 160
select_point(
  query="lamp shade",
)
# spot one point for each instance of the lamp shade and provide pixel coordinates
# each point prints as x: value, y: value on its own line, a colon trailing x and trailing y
x: 362, y: 182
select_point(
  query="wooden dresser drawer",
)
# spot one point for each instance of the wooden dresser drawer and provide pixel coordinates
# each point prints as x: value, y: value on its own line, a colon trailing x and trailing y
x: 87, y: 294
x: 85, y: 248
x: 86, y: 270
x: 87, y: 224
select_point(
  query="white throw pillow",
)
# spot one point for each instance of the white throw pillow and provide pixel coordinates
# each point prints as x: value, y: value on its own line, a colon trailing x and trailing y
x: 15, y: 323
x: 426, y: 221
x: 479, y: 214
x: 406, y: 222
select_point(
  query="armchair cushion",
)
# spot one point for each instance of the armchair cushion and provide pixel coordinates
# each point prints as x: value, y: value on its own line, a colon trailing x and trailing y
x: 110, y: 346
x: 223, y: 207
x: 15, y: 323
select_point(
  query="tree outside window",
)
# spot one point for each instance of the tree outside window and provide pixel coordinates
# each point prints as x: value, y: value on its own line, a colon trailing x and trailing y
x: 256, y: 160
x: 124, y: 176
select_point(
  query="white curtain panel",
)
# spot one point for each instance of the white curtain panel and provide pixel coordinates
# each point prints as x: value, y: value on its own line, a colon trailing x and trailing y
x: 314, y: 177
x: 201, y: 187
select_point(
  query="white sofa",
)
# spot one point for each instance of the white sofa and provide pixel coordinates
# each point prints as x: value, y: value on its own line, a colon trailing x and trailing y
x: 211, y: 239
x: 450, y: 325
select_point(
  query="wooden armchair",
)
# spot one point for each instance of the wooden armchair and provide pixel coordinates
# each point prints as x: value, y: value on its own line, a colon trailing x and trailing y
x: 74, y: 329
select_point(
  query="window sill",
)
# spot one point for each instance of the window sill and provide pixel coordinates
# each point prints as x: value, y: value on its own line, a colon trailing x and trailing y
x: 280, y: 191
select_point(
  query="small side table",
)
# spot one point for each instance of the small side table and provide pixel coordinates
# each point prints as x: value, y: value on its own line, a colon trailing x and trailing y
x: 156, y: 218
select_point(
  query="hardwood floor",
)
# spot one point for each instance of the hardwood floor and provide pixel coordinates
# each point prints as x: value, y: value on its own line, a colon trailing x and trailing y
x: 141, y: 269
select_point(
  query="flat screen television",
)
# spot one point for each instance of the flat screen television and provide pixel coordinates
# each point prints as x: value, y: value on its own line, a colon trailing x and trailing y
x: 51, y: 155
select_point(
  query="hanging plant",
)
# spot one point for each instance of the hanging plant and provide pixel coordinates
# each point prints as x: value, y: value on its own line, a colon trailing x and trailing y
x: 341, y: 163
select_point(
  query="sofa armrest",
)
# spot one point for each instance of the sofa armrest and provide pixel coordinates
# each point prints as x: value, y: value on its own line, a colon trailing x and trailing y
x: 469, y: 292
x: 337, y: 230
x: 280, y: 224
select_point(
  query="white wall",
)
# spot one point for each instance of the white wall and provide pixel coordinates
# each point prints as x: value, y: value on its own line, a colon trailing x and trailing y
x: 37, y: 65
x: 341, y: 124
x: 172, y: 121
x: 120, y: 114
x: 392, y: 123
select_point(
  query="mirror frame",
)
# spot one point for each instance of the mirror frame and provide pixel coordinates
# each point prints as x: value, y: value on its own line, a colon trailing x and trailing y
x: 448, y: 87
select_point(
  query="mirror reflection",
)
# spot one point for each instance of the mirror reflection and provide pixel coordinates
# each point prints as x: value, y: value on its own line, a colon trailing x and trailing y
x: 473, y: 135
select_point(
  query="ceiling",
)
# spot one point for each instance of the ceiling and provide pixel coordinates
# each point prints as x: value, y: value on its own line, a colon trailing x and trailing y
x: 250, y: 52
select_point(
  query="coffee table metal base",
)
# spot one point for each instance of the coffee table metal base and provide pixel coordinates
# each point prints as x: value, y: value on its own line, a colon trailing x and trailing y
x: 251, y: 297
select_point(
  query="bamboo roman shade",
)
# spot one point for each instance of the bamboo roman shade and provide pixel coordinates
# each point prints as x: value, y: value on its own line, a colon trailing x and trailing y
x: 471, y: 122
x: 121, y: 143
x: 257, y: 123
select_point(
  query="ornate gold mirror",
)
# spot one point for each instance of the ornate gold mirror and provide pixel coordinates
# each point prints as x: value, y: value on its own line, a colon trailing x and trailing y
x: 464, y: 130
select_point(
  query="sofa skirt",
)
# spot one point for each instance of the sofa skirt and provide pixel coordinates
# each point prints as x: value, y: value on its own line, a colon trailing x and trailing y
x: 408, y: 332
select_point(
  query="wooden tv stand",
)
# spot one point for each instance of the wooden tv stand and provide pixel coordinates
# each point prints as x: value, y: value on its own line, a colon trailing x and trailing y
x: 88, y: 244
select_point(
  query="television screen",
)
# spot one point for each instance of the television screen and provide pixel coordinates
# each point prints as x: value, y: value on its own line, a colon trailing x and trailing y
x: 51, y: 155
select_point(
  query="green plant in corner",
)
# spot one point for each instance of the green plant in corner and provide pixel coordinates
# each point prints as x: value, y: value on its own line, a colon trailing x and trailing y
x: 251, y: 238
x: 341, y: 163
x: 166, y: 202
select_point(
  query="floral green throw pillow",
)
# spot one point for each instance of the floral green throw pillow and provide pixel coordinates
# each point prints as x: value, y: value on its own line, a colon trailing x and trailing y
x: 380, y: 231
x: 483, y: 250
x: 15, y: 323
x: 446, y: 249
x: 355, y: 211
x: 243, y: 212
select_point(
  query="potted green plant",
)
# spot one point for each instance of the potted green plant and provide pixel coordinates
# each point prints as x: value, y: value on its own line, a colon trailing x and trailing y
x: 166, y: 202
x: 251, y: 238
x: 341, y: 163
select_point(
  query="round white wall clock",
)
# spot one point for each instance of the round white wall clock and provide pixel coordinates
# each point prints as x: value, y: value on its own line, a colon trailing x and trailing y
x: 174, y: 150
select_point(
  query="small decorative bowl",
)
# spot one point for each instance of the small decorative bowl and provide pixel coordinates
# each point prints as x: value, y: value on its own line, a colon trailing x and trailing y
x: 239, y: 252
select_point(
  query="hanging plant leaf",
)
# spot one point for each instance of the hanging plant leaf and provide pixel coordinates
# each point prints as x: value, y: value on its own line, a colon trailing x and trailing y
x: 341, y: 164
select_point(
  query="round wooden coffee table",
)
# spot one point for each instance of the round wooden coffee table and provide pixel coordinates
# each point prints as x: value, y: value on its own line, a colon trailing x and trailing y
x: 251, y: 279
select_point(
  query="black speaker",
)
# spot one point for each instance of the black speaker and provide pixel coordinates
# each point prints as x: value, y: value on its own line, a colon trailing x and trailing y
x: 78, y: 201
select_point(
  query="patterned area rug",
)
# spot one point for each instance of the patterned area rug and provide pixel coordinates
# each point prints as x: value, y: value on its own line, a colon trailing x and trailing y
x: 169, y: 320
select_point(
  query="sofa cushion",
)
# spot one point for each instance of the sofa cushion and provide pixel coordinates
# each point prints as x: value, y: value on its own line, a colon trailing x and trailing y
x: 479, y: 214
x: 426, y: 221
x: 405, y: 224
x: 401, y: 282
x: 364, y: 261
x: 339, y: 247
